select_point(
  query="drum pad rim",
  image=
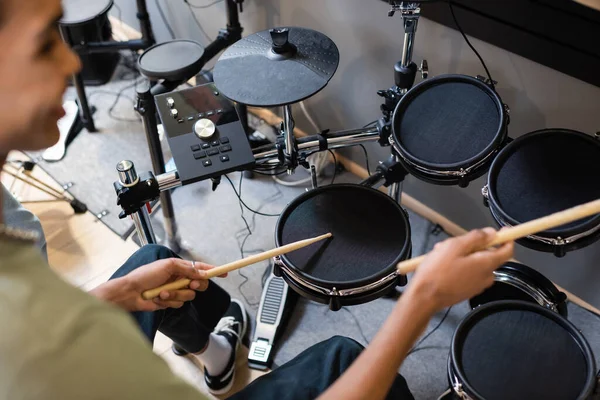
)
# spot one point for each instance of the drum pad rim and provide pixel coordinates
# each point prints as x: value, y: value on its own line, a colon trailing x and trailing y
x: 507, y: 305
x: 506, y: 153
x: 402, y: 255
x: 499, y: 137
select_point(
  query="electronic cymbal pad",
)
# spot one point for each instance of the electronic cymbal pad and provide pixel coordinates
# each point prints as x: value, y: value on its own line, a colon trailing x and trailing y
x: 276, y: 67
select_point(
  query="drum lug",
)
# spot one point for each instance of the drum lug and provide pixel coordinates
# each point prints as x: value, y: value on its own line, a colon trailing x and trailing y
x: 334, y: 300
x: 457, y: 386
x: 277, y: 263
x: 485, y: 192
x: 506, y: 112
x: 485, y: 80
x: 559, y: 249
x: 401, y: 280
x: 463, y: 182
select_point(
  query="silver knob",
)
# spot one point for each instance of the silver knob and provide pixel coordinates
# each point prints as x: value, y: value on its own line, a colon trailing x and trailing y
x: 170, y: 102
x: 127, y: 174
x: 174, y: 113
x: 204, y: 128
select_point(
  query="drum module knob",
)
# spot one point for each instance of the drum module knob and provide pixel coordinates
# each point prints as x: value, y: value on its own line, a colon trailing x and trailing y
x: 204, y: 128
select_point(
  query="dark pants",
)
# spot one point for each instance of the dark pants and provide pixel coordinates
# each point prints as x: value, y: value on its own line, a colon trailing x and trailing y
x: 304, y: 377
x: 188, y: 326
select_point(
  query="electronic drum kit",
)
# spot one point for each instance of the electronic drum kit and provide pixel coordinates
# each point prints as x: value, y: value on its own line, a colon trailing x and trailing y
x: 446, y: 130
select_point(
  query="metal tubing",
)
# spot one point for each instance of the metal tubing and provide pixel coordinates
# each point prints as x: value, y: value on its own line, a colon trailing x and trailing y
x: 395, y: 189
x: 168, y: 181
x: 288, y: 129
x: 410, y: 28
x: 147, y: 110
x: 288, y: 136
x: 111, y: 47
x: 143, y: 226
x: 311, y: 146
x: 37, y: 186
x: 21, y: 172
x: 141, y: 219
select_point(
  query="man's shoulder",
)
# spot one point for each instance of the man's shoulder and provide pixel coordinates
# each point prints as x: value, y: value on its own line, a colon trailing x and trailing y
x: 59, y: 342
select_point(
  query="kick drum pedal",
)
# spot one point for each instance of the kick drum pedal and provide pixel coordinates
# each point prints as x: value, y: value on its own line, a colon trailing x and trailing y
x: 268, y: 319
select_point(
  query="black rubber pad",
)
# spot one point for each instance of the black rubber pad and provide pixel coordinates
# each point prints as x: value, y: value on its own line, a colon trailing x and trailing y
x: 448, y: 123
x: 519, y: 354
x: 369, y: 233
x: 547, y: 173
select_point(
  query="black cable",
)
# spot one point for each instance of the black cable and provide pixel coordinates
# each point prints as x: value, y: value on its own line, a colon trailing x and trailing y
x: 487, y: 71
x: 164, y: 18
x: 197, y: 22
x: 370, y: 123
x: 416, y: 346
x: 278, y: 194
x: 267, y: 174
x: 429, y: 348
x: 241, y: 246
x: 202, y: 7
x: 116, y: 101
x: 244, y: 204
x: 366, y: 158
x: 335, y: 165
x: 357, y: 324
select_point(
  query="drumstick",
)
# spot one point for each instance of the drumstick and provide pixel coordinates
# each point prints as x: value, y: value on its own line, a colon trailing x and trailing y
x: 522, y: 230
x: 211, y: 273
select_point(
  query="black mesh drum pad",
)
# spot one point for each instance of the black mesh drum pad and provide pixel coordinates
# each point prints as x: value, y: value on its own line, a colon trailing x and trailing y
x: 548, y: 171
x: 448, y: 123
x: 370, y: 234
x: 520, y: 354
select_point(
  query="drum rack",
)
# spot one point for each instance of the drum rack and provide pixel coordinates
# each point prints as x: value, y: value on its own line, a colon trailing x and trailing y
x: 136, y: 192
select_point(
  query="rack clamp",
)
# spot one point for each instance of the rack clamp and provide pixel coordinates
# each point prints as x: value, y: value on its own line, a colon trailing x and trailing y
x: 133, y: 191
x: 389, y: 171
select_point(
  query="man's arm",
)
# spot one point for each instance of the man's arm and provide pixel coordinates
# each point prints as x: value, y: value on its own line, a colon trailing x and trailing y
x: 449, y: 274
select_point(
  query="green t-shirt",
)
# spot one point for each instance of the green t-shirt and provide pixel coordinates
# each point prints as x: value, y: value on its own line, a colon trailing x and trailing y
x: 57, y: 342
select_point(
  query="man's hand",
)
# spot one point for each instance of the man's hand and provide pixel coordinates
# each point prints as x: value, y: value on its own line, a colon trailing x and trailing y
x: 452, y: 272
x: 126, y: 292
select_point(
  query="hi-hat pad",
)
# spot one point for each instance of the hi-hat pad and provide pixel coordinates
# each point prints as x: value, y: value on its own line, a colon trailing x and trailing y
x: 276, y: 67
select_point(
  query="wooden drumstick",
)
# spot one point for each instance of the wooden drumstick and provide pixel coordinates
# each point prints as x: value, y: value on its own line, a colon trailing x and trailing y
x: 522, y: 230
x: 232, y: 266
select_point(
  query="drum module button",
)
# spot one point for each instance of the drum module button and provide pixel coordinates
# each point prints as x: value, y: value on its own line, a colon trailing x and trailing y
x: 170, y: 102
x: 174, y: 113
